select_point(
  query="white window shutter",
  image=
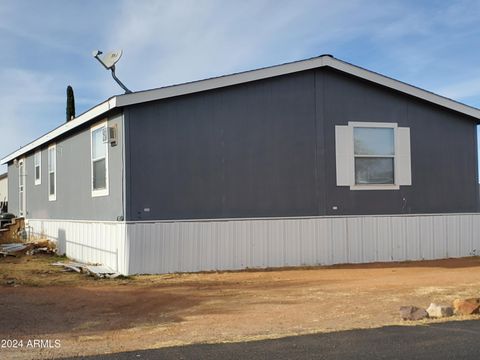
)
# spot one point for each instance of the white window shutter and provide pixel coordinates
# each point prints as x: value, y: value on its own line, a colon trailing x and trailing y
x: 344, y: 155
x: 403, y: 168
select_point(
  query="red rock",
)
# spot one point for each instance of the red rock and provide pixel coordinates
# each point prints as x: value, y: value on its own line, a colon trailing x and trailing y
x: 466, y: 306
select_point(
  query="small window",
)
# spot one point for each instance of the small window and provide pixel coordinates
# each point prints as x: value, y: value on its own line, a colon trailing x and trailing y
x: 21, y: 188
x: 99, y: 160
x: 372, y: 156
x: 38, y: 167
x: 52, y: 173
x: 374, y: 152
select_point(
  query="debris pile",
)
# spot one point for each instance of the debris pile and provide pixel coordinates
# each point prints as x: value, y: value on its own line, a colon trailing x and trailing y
x: 28, y: 248
x: 42, y: 246
x: 459, y: 307
x: 12, y: 230
x: 14, y: 249
x: 96, y: 270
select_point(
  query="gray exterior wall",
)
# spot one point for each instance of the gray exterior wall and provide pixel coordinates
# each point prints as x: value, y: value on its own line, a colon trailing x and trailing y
x: 443, y: 150
x: 74, y: 199
x: 267, y: 148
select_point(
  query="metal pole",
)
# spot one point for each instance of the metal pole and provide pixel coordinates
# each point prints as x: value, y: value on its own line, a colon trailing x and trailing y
x: 118, y: 81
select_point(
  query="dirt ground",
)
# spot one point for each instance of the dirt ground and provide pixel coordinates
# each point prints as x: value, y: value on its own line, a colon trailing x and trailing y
x: 91, y: 316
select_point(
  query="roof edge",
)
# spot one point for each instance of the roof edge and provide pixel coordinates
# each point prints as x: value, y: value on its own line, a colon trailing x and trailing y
x: 288, y: 68
x: 97, y: 110
x: 244, y: 77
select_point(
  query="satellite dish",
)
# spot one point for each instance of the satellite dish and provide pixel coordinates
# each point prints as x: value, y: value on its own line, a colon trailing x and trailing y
x: 108, y: 61
x: 111, y: 58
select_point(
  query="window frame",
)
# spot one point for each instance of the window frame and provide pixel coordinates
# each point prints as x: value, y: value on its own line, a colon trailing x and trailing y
x: 39, y: 154
x: 22, y: 196
x: 394, y: 126
x: 52, y: 197
x: 105, y: 191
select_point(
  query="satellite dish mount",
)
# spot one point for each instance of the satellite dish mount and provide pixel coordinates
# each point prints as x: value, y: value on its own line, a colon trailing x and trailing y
x: 108, y: 61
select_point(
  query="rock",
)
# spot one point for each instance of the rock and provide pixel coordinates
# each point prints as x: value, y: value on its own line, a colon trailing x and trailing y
x: 466, y: 306
x: 412, y: 313
x: 439, y: 311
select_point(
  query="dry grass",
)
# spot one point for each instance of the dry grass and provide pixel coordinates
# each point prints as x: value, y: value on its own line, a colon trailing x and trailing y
x: 100, y: 316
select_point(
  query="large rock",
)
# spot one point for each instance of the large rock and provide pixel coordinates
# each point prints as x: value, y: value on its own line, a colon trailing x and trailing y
x: 412, y: 313
x: 467, y: 306
x: 439, y: 311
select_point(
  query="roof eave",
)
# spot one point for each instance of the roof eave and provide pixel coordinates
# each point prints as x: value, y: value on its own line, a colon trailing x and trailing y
x: 94, y: 112
x: 244, y: 77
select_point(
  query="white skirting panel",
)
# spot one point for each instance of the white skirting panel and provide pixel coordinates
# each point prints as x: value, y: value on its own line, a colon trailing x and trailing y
x: 189, y: 246
x: 87, y: 241
x: 202, y: 245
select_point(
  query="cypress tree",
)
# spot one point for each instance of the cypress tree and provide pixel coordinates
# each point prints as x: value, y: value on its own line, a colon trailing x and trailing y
x: 70, y: 104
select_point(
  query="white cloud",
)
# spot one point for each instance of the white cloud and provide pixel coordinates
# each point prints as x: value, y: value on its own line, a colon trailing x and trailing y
x: 177, y: 41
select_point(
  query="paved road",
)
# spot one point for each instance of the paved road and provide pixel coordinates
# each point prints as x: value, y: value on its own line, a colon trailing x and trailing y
x: 452, y: 340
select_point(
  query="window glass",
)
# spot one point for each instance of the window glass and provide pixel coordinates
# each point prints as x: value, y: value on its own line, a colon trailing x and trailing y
x: 51, y: 159
x: 37, y: 159
x: 373, y: 141
x: 99, y: 174
x: 98, y: 146
x: 373, y: 170
x: 51, y: 183
x: 22, y: 173
x: 99, y: 162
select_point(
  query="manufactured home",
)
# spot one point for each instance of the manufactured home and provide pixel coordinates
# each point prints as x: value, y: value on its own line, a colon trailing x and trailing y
x: 312, y: 162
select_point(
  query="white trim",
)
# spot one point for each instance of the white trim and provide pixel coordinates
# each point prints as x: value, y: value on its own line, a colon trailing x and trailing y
x: 250, y: 219
x: 39, y: 180
x: 99, y: 192
x: 344, y: 155
x: 239, y: 78
x: 372, y: 124
x: 404, y: 158
x: 395, y: 185
x: 124, y: 169
x: 52, y: 197
x: 22, y: 196
x: 375, y: 186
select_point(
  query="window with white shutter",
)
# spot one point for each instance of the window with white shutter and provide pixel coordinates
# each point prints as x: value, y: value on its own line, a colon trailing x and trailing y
x: 372, y: 156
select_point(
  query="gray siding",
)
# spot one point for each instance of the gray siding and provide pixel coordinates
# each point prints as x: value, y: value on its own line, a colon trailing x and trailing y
x: 74, y: 200
x: 242, y: 152
x: 267, y: 149
x: 12, y: 189
x: 443, y: 150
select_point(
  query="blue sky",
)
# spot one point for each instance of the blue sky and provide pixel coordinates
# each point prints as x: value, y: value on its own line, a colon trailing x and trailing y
x: 46, y: 45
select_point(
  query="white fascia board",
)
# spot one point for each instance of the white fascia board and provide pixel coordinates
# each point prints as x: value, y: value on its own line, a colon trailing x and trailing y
x: 86, y: 116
